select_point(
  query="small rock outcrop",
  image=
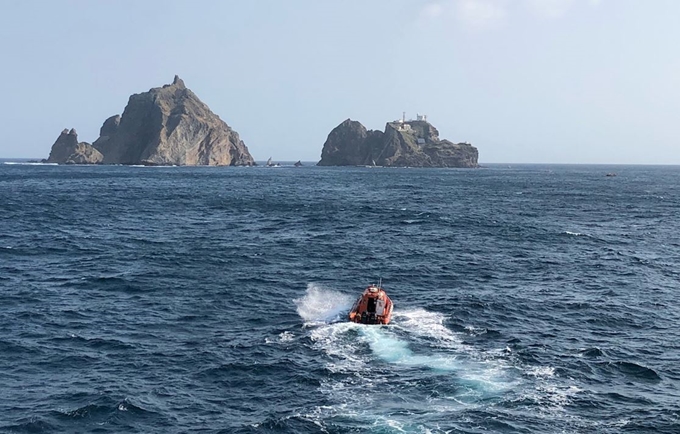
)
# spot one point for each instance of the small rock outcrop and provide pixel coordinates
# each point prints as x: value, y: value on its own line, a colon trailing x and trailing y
x: 403, y: 143
x: 67, y: 150
x: 170, y: 125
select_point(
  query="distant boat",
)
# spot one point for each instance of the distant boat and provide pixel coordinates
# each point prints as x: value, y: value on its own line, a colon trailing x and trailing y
x: 298, y: 164
x: 611, y: 174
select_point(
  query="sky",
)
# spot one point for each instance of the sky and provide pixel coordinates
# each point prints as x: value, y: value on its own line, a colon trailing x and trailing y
x: 525, y: 81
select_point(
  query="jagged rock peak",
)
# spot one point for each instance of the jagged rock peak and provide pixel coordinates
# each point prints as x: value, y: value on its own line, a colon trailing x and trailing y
x: 170, y: 125
x: 73, y: 132
x: 178, y: 81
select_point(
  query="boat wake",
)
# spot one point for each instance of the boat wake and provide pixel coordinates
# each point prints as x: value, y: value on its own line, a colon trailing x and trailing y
x: 381, y: 376
x: 376, y: 371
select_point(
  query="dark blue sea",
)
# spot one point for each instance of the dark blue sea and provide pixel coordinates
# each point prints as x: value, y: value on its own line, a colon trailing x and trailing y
x: 528, y: 299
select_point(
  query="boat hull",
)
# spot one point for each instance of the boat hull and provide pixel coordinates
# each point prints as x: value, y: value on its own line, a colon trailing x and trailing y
x: 372, y: 307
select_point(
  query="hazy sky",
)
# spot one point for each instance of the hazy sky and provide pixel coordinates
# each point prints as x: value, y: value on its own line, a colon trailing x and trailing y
x: 536, y: 81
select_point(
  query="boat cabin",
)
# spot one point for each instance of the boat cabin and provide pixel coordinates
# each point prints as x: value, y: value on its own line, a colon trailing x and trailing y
x: 373, y: 307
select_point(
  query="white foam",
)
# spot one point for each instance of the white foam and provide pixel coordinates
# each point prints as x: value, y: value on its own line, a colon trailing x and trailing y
x: 332, y: 339
x: 551, y: 398
x: 284, y: 337
x: 26, y: 163
x: 620, y: 423
x: 391, y: 349
x: 423, y: 323
x: 542, y: 371
x: 558, y: 396
x: 321, y: 305
x: 384, y: 345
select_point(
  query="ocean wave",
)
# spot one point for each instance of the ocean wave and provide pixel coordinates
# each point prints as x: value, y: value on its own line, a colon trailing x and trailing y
x: 632, y: 370
x: 105, y: 409
x: 31, y: 424
x: 97, y: 343
x: 591, y: 353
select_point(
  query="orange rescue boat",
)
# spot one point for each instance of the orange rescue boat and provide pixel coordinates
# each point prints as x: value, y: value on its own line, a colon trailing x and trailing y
x: 373, y: 307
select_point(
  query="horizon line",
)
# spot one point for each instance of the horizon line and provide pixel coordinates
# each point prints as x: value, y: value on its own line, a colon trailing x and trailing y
x: 481, y: 164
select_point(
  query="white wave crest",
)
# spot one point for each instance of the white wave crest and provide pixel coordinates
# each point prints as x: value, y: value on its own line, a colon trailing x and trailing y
x: 28, y: 163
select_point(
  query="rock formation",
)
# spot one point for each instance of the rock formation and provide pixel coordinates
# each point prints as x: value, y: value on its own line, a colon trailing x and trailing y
x: 403, y: 143
x: 169, y: 125
x: 107, y: 131
x: 67, y: 150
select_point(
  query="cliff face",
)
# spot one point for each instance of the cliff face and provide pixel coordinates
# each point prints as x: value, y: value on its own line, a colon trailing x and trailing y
x: 349, y: 144
x: 107, y: 131
x: 67, y: 150
x: 169, y: 125
x: 412, y: 143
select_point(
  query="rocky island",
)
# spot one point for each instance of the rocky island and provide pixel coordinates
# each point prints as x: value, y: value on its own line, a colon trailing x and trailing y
x: 412, y: 143
x: 167, y: 125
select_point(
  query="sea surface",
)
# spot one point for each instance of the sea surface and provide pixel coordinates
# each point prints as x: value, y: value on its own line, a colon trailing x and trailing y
x: 528, y: 299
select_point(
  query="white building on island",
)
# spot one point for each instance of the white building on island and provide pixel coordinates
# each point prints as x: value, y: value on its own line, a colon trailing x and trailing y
x: 403, y: 124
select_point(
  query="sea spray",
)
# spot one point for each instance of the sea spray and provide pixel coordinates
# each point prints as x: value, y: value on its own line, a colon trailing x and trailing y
x: 321, y: 305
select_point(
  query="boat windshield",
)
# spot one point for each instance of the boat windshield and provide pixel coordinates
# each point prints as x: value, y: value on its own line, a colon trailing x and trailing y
x: 370, y: 306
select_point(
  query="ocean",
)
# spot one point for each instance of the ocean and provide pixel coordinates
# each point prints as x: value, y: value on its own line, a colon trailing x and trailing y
x: 528, y: 299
